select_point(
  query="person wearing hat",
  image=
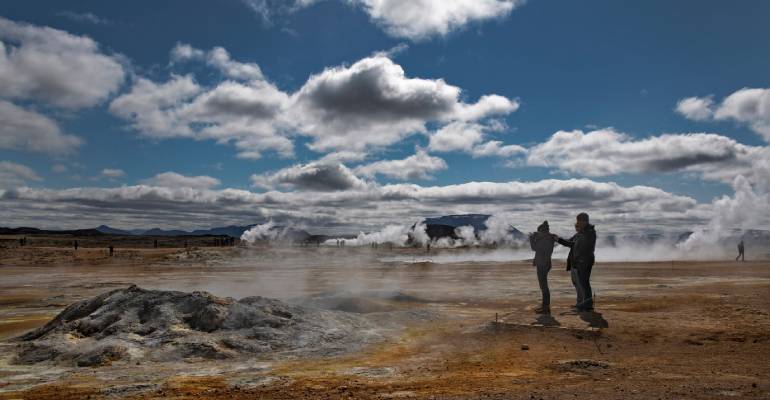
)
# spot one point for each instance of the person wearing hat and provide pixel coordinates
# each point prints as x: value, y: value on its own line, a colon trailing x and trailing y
x: 542, y: 243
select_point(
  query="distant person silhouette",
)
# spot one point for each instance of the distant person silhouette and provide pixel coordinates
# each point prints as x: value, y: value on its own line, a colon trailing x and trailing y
x: 741, y: 250
x: 112, y: 250
x: 155, y: 244
x: 580, y: 261
x: 542, y: 243
x: 75, y: 244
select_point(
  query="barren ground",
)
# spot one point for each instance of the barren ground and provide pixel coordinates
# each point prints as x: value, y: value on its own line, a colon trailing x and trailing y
x: 661, y: 330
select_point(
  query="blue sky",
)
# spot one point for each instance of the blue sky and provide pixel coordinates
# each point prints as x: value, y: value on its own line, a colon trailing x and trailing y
x: 602, y: 66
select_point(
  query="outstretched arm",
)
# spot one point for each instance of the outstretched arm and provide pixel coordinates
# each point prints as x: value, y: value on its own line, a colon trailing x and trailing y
x: 565, y: 242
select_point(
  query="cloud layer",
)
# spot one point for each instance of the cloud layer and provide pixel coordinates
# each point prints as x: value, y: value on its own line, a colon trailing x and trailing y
x: 364, y: 207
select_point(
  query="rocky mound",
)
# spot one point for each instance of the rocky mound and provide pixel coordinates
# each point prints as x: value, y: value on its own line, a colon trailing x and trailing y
x: 135, y: 324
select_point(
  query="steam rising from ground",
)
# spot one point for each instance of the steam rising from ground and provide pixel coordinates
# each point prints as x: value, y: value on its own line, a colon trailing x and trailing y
x: 749, y: 206
x: 260, y: 232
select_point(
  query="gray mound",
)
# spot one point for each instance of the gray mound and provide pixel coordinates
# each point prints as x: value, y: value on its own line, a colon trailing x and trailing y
x: 135, y: 324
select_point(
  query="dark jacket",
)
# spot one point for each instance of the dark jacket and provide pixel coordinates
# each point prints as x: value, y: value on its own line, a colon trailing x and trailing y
x: 542, y: 244
x: 581, y: 248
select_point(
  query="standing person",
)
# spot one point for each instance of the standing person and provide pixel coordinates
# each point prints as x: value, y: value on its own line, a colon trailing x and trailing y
x: 542, y: 243
x: 75, y: 245
x: 580, y: 261
x: 112, y: 250
x: 741, y: 250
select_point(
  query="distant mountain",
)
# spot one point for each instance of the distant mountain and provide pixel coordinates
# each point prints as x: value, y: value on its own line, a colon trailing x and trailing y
x: 35, y: 231
x: 161, y: 232
x: 111, y: 231
x: 232, y: 230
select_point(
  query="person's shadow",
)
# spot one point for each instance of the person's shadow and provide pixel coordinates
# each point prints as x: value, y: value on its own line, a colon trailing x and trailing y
x: 594, y: 319
x: 546, y: 320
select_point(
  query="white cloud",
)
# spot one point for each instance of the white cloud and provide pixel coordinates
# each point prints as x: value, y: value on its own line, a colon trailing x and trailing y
x: 27, y: 130
x: 422, y: 19
x: 608, y: 152
x: 496, y: 148
x: 173, y: 180
x: 220, y: 59
x: 373, y: 104
x: 750, y: 106
x: 468, y: 137
x: 415, y: 19
x: 13, y: 175
x: 247, y: 115
x: 317, y: 176
x: 113, y: 173
x: 457, y: 136
x: 53, y: 66
x: 155, y: 109
x: 345, y: 110
x: 696, y: 108
x: 419, y: 166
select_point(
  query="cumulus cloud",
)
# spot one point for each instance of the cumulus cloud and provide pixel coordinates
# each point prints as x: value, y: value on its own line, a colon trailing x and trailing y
x: 468, y: 137
x: 414, y: 20
x: 372, y: 103
x: 608, y: 152
x: 217, y: 58
x: 318, y: 176
x: 750, y: 106
x: 173, y: 179
x: 422, y: 19
x: 13, y: 175
x: 696, y: 108
x: 346, y: 110
x: 496, y: 148
x: 247, y: 115
x: 419, y: 166
x: 27, y: 130
x: 53, y: 66
x: 457, y: 136
x: 612, y: 207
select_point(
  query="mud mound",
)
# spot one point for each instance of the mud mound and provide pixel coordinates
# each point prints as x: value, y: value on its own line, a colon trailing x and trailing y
x: 135, y: 324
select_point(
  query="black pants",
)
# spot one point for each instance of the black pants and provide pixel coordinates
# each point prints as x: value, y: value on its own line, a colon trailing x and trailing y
x: 542, y: 279
x: 581, y: 279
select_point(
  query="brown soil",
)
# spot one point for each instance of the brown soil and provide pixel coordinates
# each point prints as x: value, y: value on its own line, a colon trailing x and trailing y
x: 652, y: 337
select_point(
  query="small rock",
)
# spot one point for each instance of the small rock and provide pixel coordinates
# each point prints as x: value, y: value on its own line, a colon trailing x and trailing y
x: 524, y: 347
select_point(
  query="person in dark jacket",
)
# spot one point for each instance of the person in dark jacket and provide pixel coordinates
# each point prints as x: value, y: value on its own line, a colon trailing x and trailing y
x: 741, y: 251
x: 580, y: 261
x: 542, y: 243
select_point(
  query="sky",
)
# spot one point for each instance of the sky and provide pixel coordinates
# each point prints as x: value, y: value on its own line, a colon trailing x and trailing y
x: 347, y: 115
